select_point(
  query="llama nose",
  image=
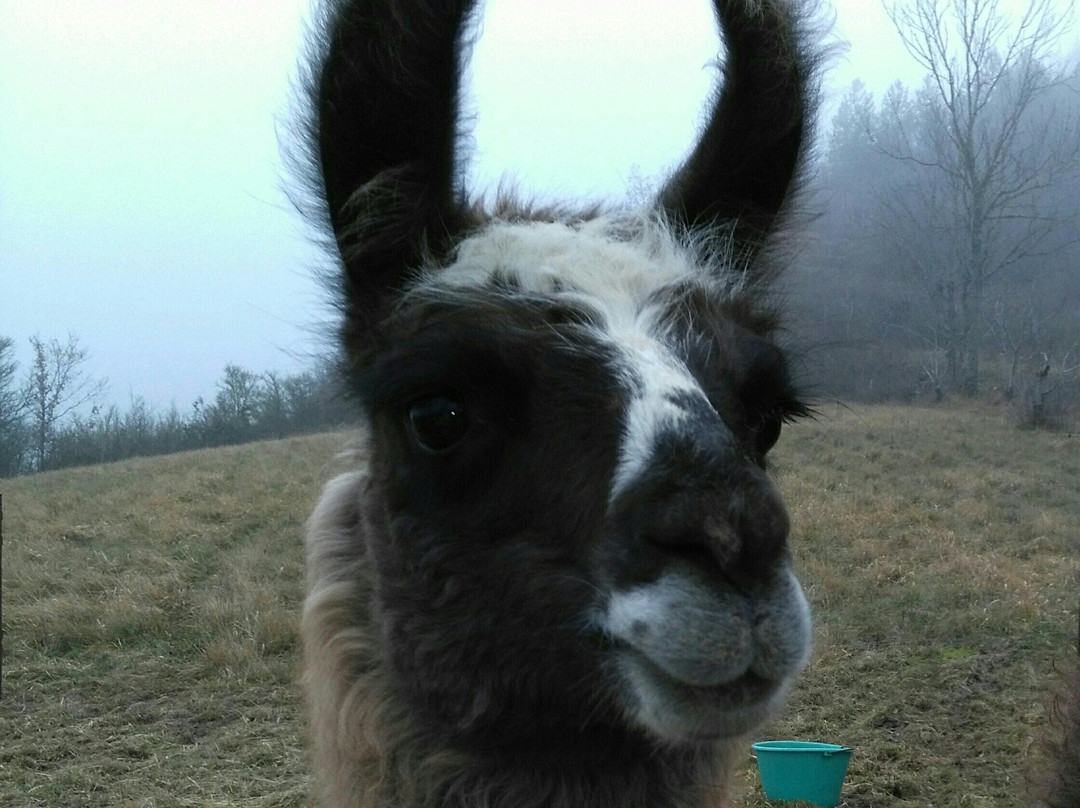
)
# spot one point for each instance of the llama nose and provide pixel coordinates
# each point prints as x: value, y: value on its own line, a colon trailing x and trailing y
x: 707, y: 503
x: 739, y: 525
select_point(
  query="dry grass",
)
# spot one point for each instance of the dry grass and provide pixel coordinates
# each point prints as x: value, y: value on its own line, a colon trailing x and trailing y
x: 939, y: 551
x: 150, y: 614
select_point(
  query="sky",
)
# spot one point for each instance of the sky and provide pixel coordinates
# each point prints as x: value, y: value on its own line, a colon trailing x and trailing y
x: 142, y: 190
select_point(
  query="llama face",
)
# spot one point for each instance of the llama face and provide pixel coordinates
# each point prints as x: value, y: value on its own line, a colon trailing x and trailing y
x: 570, y: 422
x: 565, y: 519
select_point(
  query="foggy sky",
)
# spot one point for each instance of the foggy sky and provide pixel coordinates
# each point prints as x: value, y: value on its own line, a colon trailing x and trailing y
x: 141, y: 201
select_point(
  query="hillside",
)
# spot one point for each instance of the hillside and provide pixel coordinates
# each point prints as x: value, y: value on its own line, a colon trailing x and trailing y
x: 150, y: 612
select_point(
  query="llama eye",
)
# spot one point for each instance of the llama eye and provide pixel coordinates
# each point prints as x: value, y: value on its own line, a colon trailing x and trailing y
x: 767, y: 433
x: 437, y: 424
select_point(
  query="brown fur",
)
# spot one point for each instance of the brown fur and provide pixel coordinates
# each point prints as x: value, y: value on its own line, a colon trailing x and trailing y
x: 366, y: 742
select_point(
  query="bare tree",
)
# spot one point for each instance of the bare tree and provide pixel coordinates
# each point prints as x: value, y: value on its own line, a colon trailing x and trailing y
x: 273, y: 411
x: 238, y: 395
x: 56, y: 385
x: 12, y: 411
x: 232, y: 416
x: 985, y: 147
x: 640, y: 189
x: 305, y: 396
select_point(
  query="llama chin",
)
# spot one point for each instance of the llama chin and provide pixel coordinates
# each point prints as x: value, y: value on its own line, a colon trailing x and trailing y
x: 559, y: 575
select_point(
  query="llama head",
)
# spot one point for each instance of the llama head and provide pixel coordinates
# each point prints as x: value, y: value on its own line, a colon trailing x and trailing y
x: 567, y: 514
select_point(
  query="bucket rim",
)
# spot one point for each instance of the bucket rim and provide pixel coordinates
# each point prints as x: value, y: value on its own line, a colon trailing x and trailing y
x: 802, y: 747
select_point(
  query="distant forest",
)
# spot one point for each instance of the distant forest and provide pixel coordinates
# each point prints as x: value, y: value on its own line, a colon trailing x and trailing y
x: 51, y: 416
x: 945, y: 262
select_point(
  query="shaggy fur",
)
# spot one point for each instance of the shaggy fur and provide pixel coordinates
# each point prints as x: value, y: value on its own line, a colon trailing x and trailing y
x: 559, y: 576
x: 1057, y: 784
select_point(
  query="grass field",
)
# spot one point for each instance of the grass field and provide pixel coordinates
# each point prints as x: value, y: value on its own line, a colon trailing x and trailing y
x: 150, y: 612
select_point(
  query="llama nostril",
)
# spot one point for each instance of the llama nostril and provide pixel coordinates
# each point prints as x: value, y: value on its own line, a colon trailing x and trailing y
x: 722, y: 541
x: 764, y: 526
x: 706, y: 542
x: 697, y: 553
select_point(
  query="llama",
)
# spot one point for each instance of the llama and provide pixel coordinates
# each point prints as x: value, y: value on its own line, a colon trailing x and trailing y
x: 559, y: 574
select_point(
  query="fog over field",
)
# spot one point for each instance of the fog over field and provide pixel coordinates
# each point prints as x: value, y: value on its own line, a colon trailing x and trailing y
x: 141, y: 202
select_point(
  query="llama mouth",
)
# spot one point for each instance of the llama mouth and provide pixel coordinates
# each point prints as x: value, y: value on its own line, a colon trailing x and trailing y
x: 687, y: 712
x: 703, y: 661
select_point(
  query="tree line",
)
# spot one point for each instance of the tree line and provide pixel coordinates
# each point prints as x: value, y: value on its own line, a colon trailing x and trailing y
x: 947, y: 258
x: 52, y: 413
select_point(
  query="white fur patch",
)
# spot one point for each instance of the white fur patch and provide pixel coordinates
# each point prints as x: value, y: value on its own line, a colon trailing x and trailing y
x: 658, y: 375
x: 696, y: 635
x: 615, y: 264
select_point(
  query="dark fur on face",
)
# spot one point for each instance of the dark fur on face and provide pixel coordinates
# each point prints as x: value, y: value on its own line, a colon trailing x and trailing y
x: 559, y: 576
x: 471, y: 559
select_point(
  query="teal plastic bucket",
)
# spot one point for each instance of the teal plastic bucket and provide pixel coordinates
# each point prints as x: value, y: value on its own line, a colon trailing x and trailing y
x: 798, y: 770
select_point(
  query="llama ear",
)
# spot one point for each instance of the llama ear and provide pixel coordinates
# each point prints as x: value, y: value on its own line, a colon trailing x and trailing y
x: 741, y: 172
x: 384, y: 116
